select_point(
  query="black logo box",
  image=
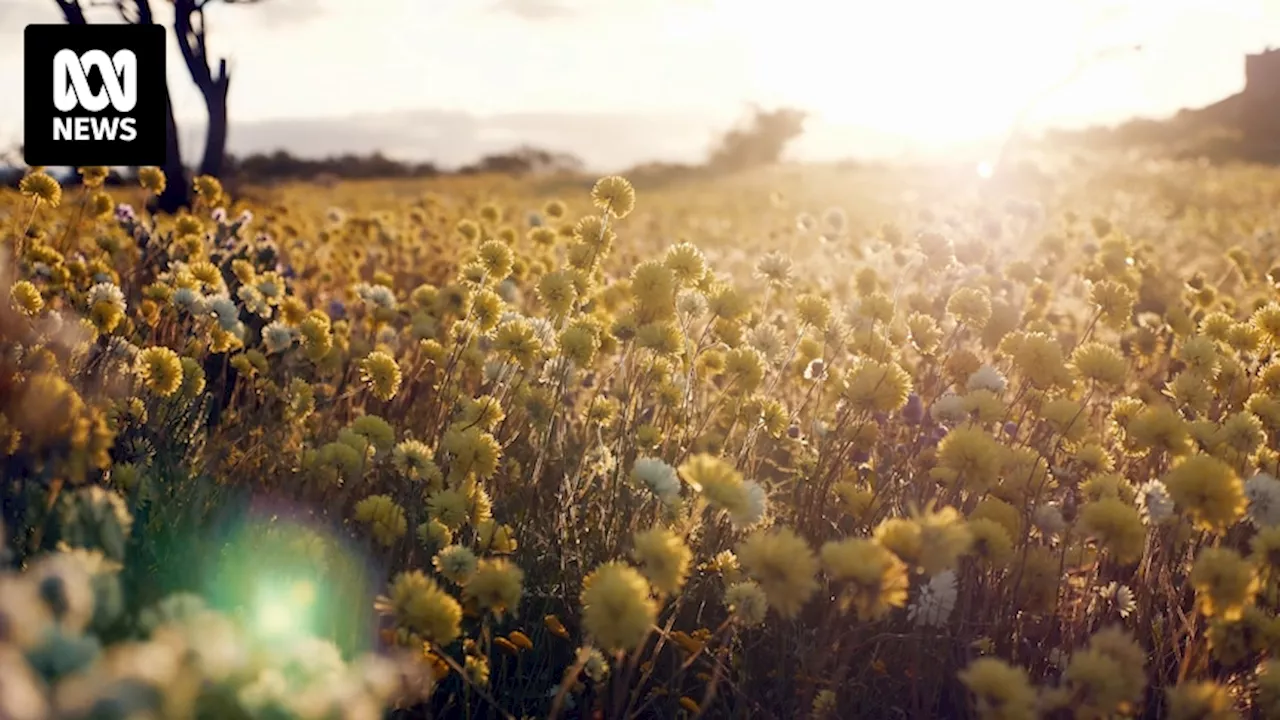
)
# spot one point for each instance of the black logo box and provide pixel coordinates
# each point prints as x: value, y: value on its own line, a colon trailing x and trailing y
x: 41, y: 43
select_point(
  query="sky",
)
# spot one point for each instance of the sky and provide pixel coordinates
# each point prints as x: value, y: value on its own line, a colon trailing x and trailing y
x: 902, y: 74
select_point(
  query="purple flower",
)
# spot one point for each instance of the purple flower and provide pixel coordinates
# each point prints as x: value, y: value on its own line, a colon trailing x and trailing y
x: 337, y: 310
x: 913, y: 413
x: 1010, y: 428
x: 125, y: 213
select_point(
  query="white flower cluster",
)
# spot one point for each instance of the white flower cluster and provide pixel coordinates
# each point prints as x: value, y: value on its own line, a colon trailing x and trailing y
x: 1263, y: 492
x: 659, y: 477
x: 935, y: 600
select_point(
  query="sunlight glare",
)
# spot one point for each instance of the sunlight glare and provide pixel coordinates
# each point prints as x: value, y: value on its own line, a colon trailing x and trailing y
x: 284, y: 611
x: 963, y: 75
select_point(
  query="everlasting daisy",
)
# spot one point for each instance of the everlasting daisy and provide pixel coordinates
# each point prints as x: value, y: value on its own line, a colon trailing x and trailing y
x: 160, y: 370
x: 747, y: 602
x: 663, y: 558
x: 614, y: 195
x: 617, y: 609
x: 381, y: 373
x: 41, y: 187
x: 26, y: 298
x: 784, y: 566
x: 1209, y: 490
x: 420, y: 604
x: 1000, y: 691
x: 496, y: 586
x: 874, y: 579
x: 456, y: 563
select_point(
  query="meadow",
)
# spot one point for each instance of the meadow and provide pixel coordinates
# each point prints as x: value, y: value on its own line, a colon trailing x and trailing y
x: 801, y: 442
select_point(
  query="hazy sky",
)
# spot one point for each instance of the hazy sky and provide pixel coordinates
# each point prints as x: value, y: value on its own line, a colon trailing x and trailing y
x: 935, y: 71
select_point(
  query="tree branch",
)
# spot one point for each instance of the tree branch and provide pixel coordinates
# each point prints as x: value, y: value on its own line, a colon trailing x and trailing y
x: 191, y: 41
x: 71, y: 11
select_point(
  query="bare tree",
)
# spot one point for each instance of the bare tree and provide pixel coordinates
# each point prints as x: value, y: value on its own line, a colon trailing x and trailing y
x: 759, y: 142
x: 189, y: 28
x: 138, y: 12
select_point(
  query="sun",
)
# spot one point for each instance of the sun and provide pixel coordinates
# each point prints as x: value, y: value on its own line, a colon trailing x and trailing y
x: 935, y: 72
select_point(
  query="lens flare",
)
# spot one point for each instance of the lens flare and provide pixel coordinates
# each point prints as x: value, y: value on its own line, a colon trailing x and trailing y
x: 288, y: 579
x: 285, y: 611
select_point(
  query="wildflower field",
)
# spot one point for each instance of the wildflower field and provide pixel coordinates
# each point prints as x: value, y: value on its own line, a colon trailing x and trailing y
x: 805, y: 442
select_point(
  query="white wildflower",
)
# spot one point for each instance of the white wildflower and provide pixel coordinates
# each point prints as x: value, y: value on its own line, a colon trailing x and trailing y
x: 987, y: 378
x: 659, y: 477
x: 1048, y: 519
x: 544, y: 330
x: 757, y: 504
x: 188, y: 299
x: 1120, y: 597
x: 1263, y: 491
x: 277, y: 337
x: 935, y: 601
x: 768, y: 340
x: 1154, y: 503
x: 382, y: 296
x: 949, y: 409
x: 691, y: 304
x: 815, y: 370
x: 224, y: 311
x: 774, y: 268
x: 254, y: 301
x: 108, y: 293
x: 593, y: 664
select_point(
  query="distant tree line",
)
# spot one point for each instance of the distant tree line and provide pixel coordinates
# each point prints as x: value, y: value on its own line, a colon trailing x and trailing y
x: 758, y: 141
x: 282, y: 165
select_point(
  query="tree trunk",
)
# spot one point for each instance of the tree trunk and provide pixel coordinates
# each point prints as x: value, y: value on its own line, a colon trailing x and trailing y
x: 215, y: 140
x: 176, y: 188
x: 176, y: 191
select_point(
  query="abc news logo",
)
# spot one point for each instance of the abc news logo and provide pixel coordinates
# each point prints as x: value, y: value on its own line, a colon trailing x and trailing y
x: 71, y: 90
x: 94, y: 95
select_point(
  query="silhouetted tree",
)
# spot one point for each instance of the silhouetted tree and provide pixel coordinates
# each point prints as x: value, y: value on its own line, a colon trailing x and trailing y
x: 280, y: 165
x: 189, y: 27
x: 524, y: 160
x: 760, y: 142
x: 138, y: 12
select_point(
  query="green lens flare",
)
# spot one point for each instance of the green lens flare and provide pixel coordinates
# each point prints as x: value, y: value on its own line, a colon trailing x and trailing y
x: 284, y: 612
x: 285, y: 579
